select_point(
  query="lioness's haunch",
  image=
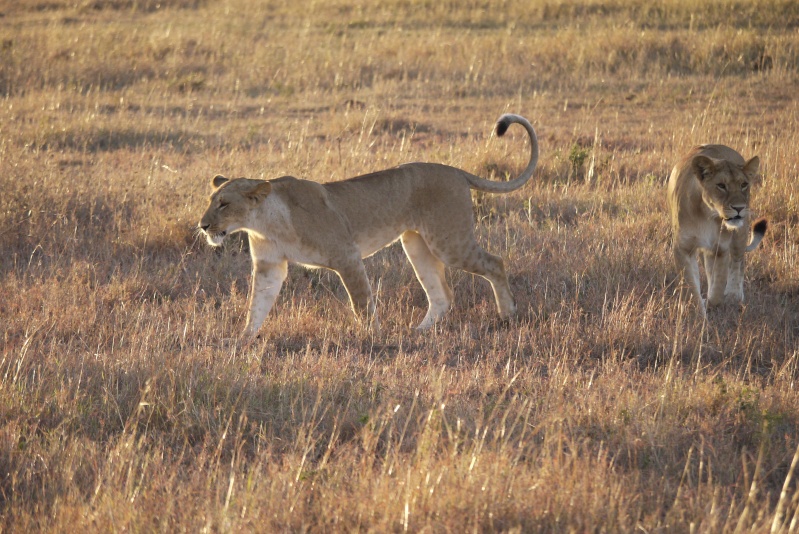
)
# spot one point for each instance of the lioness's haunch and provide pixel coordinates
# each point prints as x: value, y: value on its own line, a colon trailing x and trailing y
x: 427, y: 206
x: 708, y: 197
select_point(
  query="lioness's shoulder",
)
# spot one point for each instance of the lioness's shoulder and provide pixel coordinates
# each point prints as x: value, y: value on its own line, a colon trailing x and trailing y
x: 299, y: 193
x: 284, y: 179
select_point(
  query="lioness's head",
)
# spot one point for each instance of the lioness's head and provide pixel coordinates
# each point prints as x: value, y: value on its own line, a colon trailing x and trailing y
x: 230, y: 206
x: 725, y: 187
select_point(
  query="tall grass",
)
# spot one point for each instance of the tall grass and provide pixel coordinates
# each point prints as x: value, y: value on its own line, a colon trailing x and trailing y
x: 607, y: 405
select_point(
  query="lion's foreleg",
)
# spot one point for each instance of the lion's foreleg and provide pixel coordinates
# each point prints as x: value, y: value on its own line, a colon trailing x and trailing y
x: 735, y: 283
x: 689, y: 271
x: 267, y: 279
x: 717, y: 267
x: 353, y: 275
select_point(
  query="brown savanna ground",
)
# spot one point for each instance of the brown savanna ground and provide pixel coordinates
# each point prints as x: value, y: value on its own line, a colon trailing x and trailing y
x: 606, y: 406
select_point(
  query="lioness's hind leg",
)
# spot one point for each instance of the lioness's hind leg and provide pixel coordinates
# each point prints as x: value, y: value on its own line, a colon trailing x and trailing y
x: 472, y: 258
x: 431, y: 274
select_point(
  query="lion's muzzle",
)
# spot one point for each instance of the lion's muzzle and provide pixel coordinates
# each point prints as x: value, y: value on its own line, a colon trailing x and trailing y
x: 214, y: 238
x: 735, y: 217
x: 733, y: 223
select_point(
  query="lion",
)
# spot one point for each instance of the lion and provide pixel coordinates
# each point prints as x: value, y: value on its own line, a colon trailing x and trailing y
x: 427, y: 206
x: 708, y: 196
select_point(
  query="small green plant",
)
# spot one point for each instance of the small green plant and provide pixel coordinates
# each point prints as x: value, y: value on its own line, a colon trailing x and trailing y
x: 577, y: 157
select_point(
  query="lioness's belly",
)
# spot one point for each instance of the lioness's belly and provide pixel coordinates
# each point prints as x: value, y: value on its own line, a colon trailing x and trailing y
x: 369, y: 244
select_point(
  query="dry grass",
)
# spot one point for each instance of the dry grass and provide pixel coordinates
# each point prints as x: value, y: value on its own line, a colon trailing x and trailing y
x: 605, y: 407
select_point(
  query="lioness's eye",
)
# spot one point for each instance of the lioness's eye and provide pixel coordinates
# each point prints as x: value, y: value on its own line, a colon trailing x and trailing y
x: 722, y: 187
x: 223, y: 205
x: 744, y: 186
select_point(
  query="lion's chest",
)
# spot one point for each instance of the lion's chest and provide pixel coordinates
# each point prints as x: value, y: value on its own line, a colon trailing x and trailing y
x: 713, y: 237
x: 276, y: 237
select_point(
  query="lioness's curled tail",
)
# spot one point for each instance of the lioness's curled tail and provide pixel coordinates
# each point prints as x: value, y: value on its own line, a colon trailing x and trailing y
x: 488, y: 186
x: 758, y: 231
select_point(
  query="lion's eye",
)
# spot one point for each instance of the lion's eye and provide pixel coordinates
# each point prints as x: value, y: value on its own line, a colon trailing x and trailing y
x: 744, y: 186
x: 722, y: 187
x: 223, y: 205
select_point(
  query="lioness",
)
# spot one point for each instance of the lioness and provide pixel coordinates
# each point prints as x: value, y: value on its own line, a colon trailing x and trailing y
x: 708, y: 198
x: 334, y: 225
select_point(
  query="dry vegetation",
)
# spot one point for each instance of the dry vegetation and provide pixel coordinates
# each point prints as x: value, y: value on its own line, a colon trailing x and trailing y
x: 606, y: 407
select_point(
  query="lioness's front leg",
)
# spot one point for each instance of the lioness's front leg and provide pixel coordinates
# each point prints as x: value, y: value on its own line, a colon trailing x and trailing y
x: 267, y: 279
x: 689, y: 271
x: 735, y: 282
x: 716, y: 266
x: 353, y: 275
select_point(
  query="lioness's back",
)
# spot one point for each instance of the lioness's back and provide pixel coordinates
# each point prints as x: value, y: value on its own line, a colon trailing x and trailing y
x: 718, y: 152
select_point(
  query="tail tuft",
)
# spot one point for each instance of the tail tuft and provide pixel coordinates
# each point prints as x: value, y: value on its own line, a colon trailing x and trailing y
x: 489, y: 186
x: 502, y: 125
x: 760, y: 227
x: 758, y: 231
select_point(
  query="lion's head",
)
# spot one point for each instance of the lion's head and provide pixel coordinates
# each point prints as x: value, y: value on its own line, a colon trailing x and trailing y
x: 230, y: 206
x: 725, y: 187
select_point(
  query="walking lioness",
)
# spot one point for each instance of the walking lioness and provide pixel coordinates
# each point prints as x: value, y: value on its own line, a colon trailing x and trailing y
x: 334, y: 225
x: 708, y: 197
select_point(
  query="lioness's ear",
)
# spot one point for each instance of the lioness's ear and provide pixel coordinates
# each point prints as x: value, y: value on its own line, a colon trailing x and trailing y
x: 752, y: 167
x: 703, y: 167
x: 260, y: 191
x: 218, y: 180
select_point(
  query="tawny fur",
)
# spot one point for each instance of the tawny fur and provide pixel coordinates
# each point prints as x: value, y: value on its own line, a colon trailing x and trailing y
x: 708, y: 198
x: 427, y: 206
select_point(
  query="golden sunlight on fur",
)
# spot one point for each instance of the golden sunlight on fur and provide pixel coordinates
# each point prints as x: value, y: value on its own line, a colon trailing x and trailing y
x: 335, y: 225
x: 708, y: 197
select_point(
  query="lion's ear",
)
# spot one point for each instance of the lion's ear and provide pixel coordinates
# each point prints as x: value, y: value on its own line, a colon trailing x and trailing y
x: 260, y: 191
x: 752, y: 167
x: 703, y: 167
x: 217, y: 181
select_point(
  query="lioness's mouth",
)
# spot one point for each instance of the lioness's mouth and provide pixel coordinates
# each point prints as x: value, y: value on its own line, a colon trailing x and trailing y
x: 215, y: 239
x: 733, y: 223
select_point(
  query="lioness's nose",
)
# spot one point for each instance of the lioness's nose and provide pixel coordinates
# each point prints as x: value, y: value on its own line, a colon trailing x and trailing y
x: 739, y: 208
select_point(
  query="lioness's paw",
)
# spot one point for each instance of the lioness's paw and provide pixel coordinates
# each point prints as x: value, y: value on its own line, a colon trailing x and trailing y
x: 238, y: 343
x: 734, y: 298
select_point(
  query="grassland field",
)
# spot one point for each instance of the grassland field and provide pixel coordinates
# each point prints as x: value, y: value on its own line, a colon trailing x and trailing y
x: 607, y: 405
